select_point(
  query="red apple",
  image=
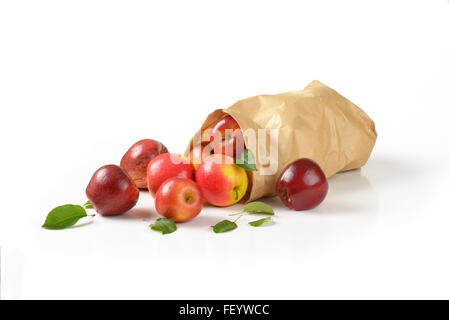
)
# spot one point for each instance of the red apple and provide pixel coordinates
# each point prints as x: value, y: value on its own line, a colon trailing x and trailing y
x: 233, y: 146
x: 111, y: 191
x: 165, y: 166
x: 302, y: 185
x: 226, y: 137
x: 224, y: 123
x: 179, y: 199
x: 221, y: 181
x: 200, y: 152
x: 136, y: 159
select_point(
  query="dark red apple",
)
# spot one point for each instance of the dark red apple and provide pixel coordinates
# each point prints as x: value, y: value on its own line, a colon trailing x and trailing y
x: 179, y: 199
x: 166, y: 166
x: 302, y: 185
x: 226, y: 137
x: 136, y: 159
x: 111, y: 191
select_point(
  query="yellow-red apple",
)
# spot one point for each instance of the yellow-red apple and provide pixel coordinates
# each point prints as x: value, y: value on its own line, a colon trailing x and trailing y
x: 221, y: 181
x: 179, y: 199
x: 200, y: 152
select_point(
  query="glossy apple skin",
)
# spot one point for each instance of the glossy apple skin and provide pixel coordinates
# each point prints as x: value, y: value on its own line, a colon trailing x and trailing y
x: 111, y: 191
x: 302, y: 185
x: 233, y: 146
x: 166, y: 166
x: 179, y: 199
x: 136, y: 159
x: 224, y: 142
x: 224, y: 123
x: 221, y: 181
x: 200, y: 152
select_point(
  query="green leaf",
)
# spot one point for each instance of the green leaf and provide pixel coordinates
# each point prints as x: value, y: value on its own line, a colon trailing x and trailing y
x: 88, y: 205
x: 246, y: 160
x: 258, y: 207
x: 258, y: 223
x: 64, y: 216
x: 164, y: 225
x: 224, y: 226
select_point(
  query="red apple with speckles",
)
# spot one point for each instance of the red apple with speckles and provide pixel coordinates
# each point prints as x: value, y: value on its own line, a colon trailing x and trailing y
x: 166, y: 166
x: 111, y: 191
x: 179, y: 199
x: 199, y: 153
x: 226, y: 137
x: 302, y: 185
x: 136, y: 159
x: 221, y: 181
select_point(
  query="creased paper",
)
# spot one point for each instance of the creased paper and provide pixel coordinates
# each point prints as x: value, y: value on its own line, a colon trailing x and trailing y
x: 316, y: 123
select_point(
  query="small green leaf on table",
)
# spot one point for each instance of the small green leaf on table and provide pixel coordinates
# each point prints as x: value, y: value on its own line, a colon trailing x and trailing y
x: 164, y: 225
x: 258, y: 223
x: 258, y: 207
x: 246, y: 160
x: 224, y: 226
x: 64, y: 216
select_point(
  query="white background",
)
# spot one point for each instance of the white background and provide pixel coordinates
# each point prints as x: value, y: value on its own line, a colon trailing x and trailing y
x: 80, y: 81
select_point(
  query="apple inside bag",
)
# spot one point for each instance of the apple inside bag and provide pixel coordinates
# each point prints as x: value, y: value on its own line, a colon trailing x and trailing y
x: 316, y: 123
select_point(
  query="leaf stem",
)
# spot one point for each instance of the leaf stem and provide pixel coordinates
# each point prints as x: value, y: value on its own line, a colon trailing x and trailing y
x: 88, y: 205
x: 238, y: 218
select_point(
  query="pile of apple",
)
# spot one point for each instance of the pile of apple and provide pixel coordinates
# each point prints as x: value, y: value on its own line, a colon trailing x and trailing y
x: 181, y: 185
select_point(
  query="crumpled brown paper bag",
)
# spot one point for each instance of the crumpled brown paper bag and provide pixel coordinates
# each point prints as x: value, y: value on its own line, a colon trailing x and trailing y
x: 316, y: 123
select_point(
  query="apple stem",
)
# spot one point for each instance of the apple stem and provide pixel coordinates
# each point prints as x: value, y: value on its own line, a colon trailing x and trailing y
x: 236, y: 193
x: 91, y: 215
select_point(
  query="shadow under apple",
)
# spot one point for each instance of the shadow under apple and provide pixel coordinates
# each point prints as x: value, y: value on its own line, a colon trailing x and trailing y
x: 138, y: 213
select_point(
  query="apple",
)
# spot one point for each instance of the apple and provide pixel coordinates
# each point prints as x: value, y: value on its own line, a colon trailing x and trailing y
x: 221, y: 125
x: 302, y: 185
x: 111, y: 191
x: 233, y: 146
x: 221, y: 181
x: 200, y: 152
x: 179, y: 199
x: 165, y: 166
x: 136, y: 159
x: 226, y: 137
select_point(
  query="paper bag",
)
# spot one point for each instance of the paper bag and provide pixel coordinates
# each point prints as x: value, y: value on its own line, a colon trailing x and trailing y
x: 316, y: 123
